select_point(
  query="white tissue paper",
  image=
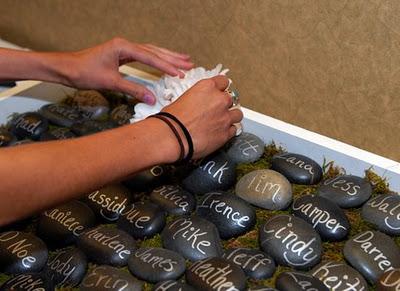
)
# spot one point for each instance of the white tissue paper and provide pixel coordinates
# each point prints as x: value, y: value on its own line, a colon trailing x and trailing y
x: 168, y: 89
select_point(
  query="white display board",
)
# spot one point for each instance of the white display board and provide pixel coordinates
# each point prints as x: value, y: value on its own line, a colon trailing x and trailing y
x: 30, y: 95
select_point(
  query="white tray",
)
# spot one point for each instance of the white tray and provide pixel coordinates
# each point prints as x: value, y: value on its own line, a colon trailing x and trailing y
x: 30, y: 95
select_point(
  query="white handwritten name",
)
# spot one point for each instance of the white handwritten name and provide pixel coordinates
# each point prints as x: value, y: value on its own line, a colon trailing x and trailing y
x: 64, y: 268
x: 219, y: 173
x: 27, y: 124
x: 65, y: 219
x: 264, y: 186
x: 191, y: 234
x: 243, y: 259
x: 350, y: 188
x: 25, y: 282
x: 156, y: 261
x: 388, y: 281
x: 107, y: 281
x: 384, y: 207
x: 109, y: 204
x: 170, y: 193
x: 134, y: 216
x: 19, y: 247
x: 297, y: 162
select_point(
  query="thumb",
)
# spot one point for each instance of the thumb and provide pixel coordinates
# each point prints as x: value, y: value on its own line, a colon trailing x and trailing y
x: 138, y: 91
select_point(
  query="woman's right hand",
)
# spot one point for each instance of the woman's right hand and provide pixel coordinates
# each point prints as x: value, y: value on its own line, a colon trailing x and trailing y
x: 205, y: 111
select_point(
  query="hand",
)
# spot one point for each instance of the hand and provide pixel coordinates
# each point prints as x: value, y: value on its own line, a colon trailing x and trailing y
x: 97, y: 67
x: 204, y: 110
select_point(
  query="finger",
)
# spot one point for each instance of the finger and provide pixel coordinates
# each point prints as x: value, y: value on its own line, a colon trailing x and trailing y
x: 175, y: 61
x: 236, y: 115
x: 232, y: 131
x: 132, y: 52
x: 168, y: 52
x: 138, y: 91
x: 221, y: 82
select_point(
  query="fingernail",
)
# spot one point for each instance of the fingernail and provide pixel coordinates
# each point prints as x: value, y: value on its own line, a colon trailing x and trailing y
x: 148, y: 99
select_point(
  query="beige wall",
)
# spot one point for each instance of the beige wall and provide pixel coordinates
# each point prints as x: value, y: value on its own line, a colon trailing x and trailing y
x: 331, y: 66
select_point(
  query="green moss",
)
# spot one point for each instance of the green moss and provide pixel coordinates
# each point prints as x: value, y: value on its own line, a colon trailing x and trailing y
x: 154, y: 242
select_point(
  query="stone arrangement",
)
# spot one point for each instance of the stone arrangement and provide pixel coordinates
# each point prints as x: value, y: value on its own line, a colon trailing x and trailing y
x: 248, y: 217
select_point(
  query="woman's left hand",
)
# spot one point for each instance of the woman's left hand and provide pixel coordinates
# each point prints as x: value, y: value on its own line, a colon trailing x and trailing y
x: 97, y: 67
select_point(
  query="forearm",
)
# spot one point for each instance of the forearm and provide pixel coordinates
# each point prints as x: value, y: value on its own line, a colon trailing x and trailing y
x: 26, y: 65
x: 42, y: 175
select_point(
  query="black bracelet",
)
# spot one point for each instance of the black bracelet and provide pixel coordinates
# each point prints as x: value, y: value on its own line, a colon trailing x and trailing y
x: 185, y: 132
x: 176, y: 133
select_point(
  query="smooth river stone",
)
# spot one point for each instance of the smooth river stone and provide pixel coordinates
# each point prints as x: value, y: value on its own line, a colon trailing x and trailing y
x: 298, y: 169
x: 216, y: 274
x: 298, y: 281
x: 231, y: 215
x: 21, y: 252
x: 328, y: 219
x: 6, y: 138
x: 339, y: 276
x: 171, y: 285
x: 156, y: 264
x: 30, y: 125
x: 107, y: 245
x: 372, y: 253
x: 193, y: 237
x: 346, y: 191
x: 383, y: 211
x: 291, y: 241
x: 245, y: 148
x: 389, y: 281
x: 109, y: 202
x: 62, y: 225
x: 28, y: 282
x: 174, y: 199
x: 57, y: 134
x: 122, y: 114
x: 147, y: 180
x: 91, y: 103
x: 61, y: 114
x: 255, y: 263
x: 107, y: 278
x: 142, y: 220
x: 91, y: 127
x: 67, y: 267
x: 216, y: 172
x: 266, y: 189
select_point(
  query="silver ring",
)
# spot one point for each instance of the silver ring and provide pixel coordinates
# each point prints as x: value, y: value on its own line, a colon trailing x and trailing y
x: 234, y: 95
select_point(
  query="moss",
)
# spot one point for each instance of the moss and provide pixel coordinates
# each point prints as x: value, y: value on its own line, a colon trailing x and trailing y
x: 154, y: 242
x: 380, y: 185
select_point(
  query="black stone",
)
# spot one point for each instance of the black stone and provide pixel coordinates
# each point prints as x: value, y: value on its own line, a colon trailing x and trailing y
x: 297, y: 168
x: 290, y: 241
x: 109, y: 202
x: 57, y: 134
x: 122, y: 114
x: 104, y: 278
x: 156, y: 264
x: 339, y: 276
x: 91, y: 127
x: 256, y: 264
x: 245, y: 148
x: 142, y: 220
x: 67, y: 267
x: 298, y: 281
x: 171, y: 285
x: 216, y: 274
x: 328, y: 219
x: 147, y: 180
x: 372, y: 253
x: 174, y: 199
x: 389, y: 281
x: 216, y: 172
x: 29, y: 125
x: 20, y: 142
x: 28, y: 282
x: 193, y: 237
x: 6, y: 138
x: 21, y: 252
x: 231, y: 215
x: 383, y: 211
x: 62, y: 225
x: 261, y: 288
x: 61, y: 114
x: 107, y: 245
x: 346, y: 191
